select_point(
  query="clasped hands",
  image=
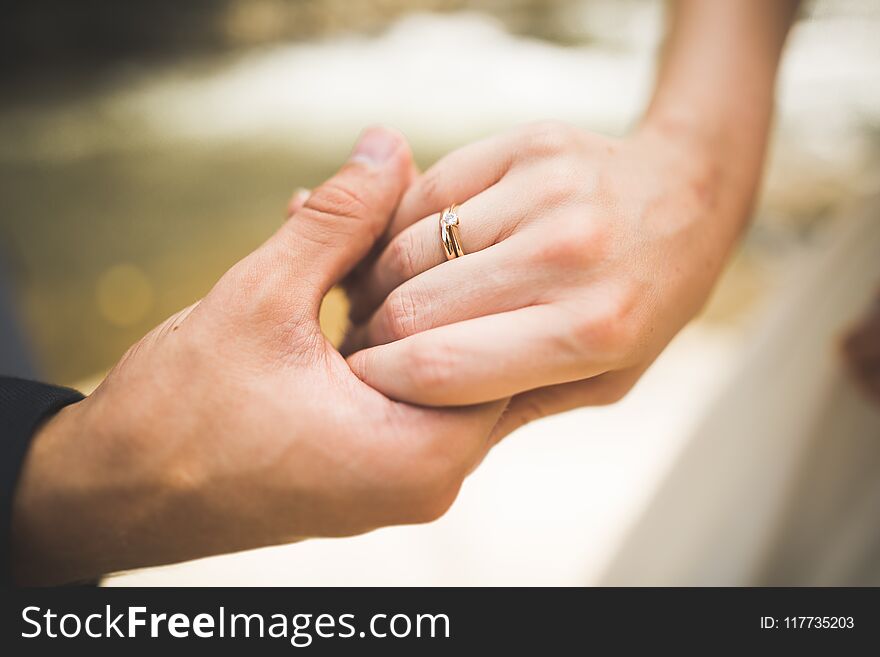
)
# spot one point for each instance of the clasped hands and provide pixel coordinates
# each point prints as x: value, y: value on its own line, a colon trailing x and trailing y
x: 236, y: 424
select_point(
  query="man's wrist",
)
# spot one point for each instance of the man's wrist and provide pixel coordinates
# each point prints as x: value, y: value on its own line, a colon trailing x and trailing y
x: 44, y: 549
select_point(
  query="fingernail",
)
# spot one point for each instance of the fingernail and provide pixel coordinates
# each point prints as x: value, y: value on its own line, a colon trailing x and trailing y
x: 375, y: 146
x: 297, y: 200
x: 301, y: 195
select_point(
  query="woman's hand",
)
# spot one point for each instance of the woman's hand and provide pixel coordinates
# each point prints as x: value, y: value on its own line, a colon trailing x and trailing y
x: 235, y: 424
x: 585, y: 256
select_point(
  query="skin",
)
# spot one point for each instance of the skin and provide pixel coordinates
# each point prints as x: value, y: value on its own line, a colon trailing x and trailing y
x: 586, y: 254
x: 235, y: 424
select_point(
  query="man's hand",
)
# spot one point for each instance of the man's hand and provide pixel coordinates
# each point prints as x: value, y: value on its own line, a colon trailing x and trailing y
x: 235, y: 424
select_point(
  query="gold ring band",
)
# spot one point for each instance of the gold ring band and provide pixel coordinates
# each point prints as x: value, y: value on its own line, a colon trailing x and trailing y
x: 449, y: 233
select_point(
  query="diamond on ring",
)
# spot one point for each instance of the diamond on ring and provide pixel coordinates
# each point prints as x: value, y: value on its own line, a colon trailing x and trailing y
x: 449, y: 233
x: 449, y: 218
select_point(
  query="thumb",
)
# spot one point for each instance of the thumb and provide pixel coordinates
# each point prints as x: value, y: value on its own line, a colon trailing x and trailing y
x: 339, y: 222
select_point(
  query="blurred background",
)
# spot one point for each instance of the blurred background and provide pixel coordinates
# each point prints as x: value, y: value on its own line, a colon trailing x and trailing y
x: 147, y: 146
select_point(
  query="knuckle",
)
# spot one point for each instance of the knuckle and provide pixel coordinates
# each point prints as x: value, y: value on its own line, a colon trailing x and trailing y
x: 429, y: 188
x: 614, y: 332
x: 576, y: 244
x: 547, y: 138
x: 339, y: 200
x: 558, y: 188
x: 563, y: 253
x: 337, y: 208
x: 432, y: 368
x: 401, y: 319
x: 600, y: 335
x: 592, y: 237
x: 401, y: 259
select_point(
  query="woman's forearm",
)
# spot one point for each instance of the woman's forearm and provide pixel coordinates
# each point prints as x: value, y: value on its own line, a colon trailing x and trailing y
x: 716, y: 83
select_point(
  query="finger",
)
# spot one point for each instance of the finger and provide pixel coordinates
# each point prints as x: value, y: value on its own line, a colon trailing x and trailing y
x: 480, y: 359
x: 495, y: 280
x: 484, y: 220
x: 601, y: 390
x: 455, y: 178
x: 341, y: 219
x: 296, y: 201
x: 440, y: 449
x: 367, y: 262
x: 364, y: 265
x: 463, y: 434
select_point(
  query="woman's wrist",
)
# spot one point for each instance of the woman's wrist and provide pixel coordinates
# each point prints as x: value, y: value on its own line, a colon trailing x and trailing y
x: 722, y: 153
x: 715, y: 90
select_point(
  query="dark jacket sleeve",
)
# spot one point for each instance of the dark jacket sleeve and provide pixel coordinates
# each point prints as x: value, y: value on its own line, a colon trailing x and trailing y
x: 23, y: 406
